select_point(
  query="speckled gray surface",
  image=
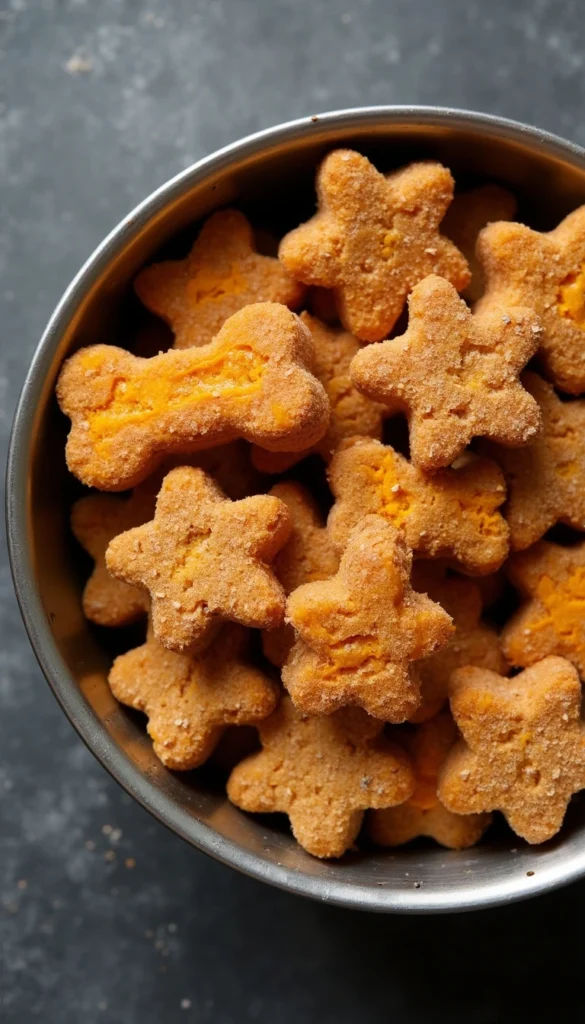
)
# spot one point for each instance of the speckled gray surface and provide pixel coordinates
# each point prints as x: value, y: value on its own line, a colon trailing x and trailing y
x: 99, y: 102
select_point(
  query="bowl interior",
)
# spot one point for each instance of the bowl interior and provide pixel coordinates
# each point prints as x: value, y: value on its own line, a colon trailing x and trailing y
x: 271, y: 179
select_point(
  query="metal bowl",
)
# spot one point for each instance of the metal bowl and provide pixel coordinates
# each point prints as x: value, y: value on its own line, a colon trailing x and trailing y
x: 271, y: 176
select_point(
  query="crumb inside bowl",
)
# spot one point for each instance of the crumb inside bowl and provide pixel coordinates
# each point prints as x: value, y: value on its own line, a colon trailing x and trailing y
x: 270, y: 179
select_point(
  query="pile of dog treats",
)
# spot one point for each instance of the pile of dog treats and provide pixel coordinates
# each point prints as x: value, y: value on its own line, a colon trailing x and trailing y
x: 382, y: 688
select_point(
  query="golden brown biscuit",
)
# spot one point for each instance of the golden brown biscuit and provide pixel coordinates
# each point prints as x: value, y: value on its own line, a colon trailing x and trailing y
x: 359, y: 632
x: 351, y: 412
x: 552, y: 619
x: 455, y: 375
x: 546, y: 479
x: 324, y: 773
x: 308, y: 555
x: 204, y: 558
x: 450, y: 514
x: 546, y: 272
x: 222, y: 274
x: 473, y: 643
x: 191, y: 698
x: 523, y: 746
x: 467, y: 215
x: 373, y: 238
x: 252, y: 381
x: 424, y: 814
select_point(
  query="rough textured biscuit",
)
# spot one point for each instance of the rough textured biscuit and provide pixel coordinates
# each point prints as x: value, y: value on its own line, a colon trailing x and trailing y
x: 252, y: 381
x: 359, y: 632
x: 222, y: 274
x: 552, y: 619
x: 546, y: 272
x: 324, y: 773
x: 546, y: 479
x: 424, y: 814
x: 523, y: 746
x: 473, y: 643
x: 351, y: 412
x: 450, y: 514
x: 455, y: 375
x: 204, y: 558
x: 95, y: 520
x: 190, y: 698
x: 373, y: 238
x: 308, y: 555
x: 467, y: 215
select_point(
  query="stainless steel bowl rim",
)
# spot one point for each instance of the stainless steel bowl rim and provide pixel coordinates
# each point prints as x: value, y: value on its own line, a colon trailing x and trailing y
x: 64, y: 688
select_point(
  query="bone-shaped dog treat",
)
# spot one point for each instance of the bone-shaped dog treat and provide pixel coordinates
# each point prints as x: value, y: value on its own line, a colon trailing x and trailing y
x: 252, y: 381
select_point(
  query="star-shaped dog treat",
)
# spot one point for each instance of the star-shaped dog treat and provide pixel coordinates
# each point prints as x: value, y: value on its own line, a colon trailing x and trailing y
x: 546, y: 478
x: 373, y: 238
x: 222, y: 274
x: 359, y: 632
x: 252, y: 381
x: 452, y: 513
x: 455, y: 375
x: 546, y: 272
x: 324, y: 773
x: 467, y: 215
x: 552, y: 620
x: 473, y: 643
x: 204, y: 558
x: 523, y: 746
x: 351, y: 412
x: 423, y: 814
x: 191, y: 698
x: 308, y: 555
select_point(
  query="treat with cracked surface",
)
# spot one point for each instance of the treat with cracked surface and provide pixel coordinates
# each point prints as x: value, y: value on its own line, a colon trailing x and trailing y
x: 351, y: 412
x: 222, y: 274
x: 423, y: 814
x: 374, y: 236
x: 453, y: 374
x: 252, y: 381
x: 467, y: 215
x: 359, y: 632
x: 308, y: 555
x: 453, y: 513
x: 523, y: 746
x: 190, y: 699
x: 204, y: 558
x: 323, y: 773
x: 473, y: 643
x: 551, y: 620
x: 545, y: 479
x: 546, y: 272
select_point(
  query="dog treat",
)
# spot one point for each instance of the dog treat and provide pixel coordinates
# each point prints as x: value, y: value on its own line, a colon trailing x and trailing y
x: 473, y: 643
x: 191, y: 698
x: 95, y: 520
x: 424, y: 814
x: 351, y: 412
x: 455, y: 375
x: 204, y: 558
x: 523, y: 746
x: 222, y: 274
x: 324, y: 773
x: 546, y: 479
x: 545, y: 271
x: 552, y: 620
x: 359, y: 632
x: 373, y: 238
x: 467, y: 215
x: 308, y: 555
x: 251, y: 381
x: 450, y: 514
